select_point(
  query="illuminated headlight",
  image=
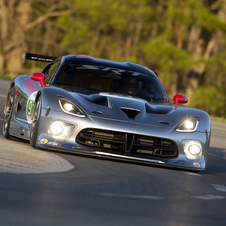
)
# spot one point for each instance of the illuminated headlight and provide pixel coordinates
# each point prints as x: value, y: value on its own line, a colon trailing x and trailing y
x: 56, y: 129
x: 68, y: 107
x: 71, y: 108
x: 189, y: 125
x: 192, y: 149
x: 60, y: 130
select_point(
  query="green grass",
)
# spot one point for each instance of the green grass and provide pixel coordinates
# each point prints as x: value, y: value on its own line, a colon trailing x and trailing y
x: 5, y: 77
x: 218, y: 119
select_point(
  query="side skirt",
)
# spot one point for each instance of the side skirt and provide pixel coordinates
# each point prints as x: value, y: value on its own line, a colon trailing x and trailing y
x: 20, y: 128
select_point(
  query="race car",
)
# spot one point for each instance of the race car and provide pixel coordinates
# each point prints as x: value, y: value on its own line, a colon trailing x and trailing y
x: 104, y: 108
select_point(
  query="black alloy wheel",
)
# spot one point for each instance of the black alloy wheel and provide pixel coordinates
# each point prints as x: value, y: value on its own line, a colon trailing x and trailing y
x: 8, y: 113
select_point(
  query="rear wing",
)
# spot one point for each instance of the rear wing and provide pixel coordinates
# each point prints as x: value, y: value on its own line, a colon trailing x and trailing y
x: 36, y: 57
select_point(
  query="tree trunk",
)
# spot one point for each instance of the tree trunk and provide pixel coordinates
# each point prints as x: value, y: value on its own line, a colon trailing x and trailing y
x: 14, y: 15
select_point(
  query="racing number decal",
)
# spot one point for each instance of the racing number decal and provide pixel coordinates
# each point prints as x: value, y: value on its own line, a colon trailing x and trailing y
x: 30, y: 106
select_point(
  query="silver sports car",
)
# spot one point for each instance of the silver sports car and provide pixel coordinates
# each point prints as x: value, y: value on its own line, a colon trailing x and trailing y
x: 111, y: 109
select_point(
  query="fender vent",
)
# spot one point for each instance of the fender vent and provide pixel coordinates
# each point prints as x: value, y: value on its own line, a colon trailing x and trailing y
x: 131, y: 113
x: 19, y: 107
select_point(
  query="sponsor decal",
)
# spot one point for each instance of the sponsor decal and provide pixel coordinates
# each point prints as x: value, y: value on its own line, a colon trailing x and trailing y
x: 53, y: 143
x: 69, y: 146
x: 117, y: 71
x: 44, y: 141
x: 196, y: 164
x: 183, y: 163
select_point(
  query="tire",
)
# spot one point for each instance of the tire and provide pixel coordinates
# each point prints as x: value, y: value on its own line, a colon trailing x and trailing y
x: 8, y: 113
x: 35, y: 123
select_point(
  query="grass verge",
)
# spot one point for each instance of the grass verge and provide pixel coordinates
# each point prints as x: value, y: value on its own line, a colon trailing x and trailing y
x: 5, y: 77
x: 218, y: 119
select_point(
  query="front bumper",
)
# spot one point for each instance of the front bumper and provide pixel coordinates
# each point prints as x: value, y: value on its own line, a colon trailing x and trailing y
x: 162, y: 132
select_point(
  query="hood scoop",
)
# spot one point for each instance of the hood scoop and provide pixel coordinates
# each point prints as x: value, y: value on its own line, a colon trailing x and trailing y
x: 97, y: 99
x: 130, y: 112
x: 159, y: 109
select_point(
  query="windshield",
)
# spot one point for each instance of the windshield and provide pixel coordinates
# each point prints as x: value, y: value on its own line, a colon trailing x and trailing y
x: 113, y: 80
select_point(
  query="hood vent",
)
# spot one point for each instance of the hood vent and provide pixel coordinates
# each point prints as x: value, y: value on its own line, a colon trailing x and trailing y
x: 164, y: 123
x: 159, y: 109
x: 131, y: 113
x: 97, y: 99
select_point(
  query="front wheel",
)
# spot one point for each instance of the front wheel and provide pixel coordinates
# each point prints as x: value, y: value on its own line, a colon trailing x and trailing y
x: 35, y: 123
x: 8, y: 113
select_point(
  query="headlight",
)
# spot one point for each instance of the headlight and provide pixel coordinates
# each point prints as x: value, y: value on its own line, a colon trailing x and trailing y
x: 71, y: 108
x: 192, y: 149
x: 60, y: 130
x: 189, y: 125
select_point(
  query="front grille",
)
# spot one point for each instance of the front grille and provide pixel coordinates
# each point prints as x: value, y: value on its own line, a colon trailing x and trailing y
x: 128, y: 143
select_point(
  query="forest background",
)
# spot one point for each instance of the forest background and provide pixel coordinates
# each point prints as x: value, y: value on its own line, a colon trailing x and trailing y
x: 184, y: 41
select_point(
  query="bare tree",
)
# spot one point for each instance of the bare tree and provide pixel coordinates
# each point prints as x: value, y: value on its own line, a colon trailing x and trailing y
x: 20, y: 22
x: 14, y: 15
x: 202, y: 48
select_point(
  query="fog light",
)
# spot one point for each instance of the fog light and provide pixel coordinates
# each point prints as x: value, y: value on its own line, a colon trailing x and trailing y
x: 192, y: 149
x: 56, y: 129
x: 60, y: 131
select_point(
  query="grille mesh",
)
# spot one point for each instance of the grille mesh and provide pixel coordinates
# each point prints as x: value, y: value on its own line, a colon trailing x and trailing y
x: 128, y: 143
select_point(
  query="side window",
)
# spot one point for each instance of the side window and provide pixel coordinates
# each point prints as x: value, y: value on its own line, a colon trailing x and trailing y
x: 46, y: 69
x: 51, y: 71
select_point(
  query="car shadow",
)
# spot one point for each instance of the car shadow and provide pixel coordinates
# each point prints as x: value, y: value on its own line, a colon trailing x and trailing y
x: 216, y: 162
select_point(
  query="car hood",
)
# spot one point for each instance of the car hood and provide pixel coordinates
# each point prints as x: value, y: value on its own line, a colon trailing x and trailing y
x: 128, y: 103
x: 130, y: 109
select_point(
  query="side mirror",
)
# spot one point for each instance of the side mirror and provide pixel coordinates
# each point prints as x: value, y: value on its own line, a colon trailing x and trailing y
x: 179, y: 99
x: 39, y: 77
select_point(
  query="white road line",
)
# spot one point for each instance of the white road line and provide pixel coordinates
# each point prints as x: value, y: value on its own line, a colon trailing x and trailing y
x: 219, y: 187
x: 209, y: 197
x: 130, y: 196
x: 3, y: 96
x: 193, y: 174
x: 218, y: 128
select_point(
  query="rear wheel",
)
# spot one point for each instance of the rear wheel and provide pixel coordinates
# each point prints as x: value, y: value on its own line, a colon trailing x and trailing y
x: 8, y: 113
x: 35, y: 123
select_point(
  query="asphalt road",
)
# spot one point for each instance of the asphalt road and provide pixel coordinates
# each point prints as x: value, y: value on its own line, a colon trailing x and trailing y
x: 96, y: 192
